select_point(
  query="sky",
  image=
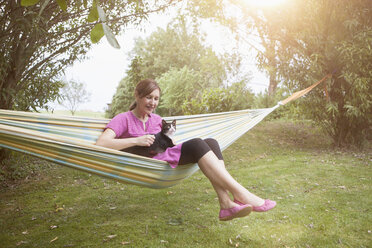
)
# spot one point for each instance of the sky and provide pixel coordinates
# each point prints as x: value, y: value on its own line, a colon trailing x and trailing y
x: 105, y: 66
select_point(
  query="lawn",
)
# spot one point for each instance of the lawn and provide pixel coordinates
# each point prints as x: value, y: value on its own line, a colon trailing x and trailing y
x: 323, y: 196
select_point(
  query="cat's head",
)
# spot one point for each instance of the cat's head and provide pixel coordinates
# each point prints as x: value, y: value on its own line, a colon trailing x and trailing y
x: 168, y: 128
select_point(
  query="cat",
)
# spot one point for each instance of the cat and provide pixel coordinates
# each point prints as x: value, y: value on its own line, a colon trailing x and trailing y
x: 162, y: 141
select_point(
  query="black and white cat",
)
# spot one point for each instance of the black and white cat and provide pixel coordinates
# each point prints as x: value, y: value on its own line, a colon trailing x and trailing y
x: 163, y: 140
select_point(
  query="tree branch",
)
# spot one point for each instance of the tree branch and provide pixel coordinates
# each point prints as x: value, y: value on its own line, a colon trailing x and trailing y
x: 114, y: 20
x: 54, y: 54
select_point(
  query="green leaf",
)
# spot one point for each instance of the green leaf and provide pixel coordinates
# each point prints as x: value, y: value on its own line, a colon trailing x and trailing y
x: 27, y: 3
x: 62, y: 4
x: 93, y: 14
x: 175, y: 221
x: 110, y: 36
x: 97, y: 33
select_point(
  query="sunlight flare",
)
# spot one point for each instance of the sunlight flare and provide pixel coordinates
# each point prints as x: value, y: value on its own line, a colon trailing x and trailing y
x: 265, y: 3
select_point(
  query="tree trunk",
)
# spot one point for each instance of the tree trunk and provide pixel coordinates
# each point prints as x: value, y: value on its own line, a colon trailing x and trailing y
x: 4, y: 154
x: 5, y: 94
x: 273, y: 84
x: 341, y: 124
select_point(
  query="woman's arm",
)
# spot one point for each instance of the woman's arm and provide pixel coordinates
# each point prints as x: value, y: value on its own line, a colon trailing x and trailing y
x: 108, y: 139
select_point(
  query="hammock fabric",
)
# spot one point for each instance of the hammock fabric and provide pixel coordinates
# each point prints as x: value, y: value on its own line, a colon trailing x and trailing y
x: 70, y: 141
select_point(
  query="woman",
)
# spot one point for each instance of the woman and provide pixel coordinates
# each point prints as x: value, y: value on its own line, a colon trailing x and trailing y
x: 134, y: 128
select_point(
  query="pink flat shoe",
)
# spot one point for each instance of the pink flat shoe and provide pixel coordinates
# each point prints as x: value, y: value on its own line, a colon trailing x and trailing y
x: 235, y: 212
x: 269, y: 204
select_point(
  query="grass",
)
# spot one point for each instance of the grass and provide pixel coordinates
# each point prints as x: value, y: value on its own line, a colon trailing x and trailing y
x: 323, y: 196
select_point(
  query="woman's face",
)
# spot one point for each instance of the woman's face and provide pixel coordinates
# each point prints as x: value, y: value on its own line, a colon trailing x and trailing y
x: 148, y: 103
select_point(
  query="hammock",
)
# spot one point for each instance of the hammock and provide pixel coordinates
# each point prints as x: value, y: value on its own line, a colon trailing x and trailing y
x: 70, y: 141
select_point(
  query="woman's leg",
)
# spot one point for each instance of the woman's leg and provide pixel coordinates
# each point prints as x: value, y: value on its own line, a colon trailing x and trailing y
x: 208, y: 155
x: 223, y: 182
x: 193, y: 150
x: 223, y: 194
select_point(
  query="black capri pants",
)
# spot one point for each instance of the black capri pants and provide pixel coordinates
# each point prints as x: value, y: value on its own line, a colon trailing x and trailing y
x: 192, y: 150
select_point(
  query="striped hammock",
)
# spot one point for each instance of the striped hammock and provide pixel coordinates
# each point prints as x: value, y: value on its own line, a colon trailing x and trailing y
x: 70, y: 141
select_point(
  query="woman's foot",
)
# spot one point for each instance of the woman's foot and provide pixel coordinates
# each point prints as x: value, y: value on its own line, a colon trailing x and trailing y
x: 235, y: 212
x: 268, y: 204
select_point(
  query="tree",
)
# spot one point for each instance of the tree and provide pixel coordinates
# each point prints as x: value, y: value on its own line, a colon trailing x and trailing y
x: 180, y: 44
x: 178, y: 59
x: 266, y: 50
x: 39, y: 39
x: 314, y: 38
x: 178, y: 85
x: 73, y: 94
x: 124, y: 95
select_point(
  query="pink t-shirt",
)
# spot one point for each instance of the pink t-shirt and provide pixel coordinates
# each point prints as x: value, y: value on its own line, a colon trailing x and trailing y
x: 127, y: 125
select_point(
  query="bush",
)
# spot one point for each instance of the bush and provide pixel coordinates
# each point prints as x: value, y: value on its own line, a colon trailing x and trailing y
x: 291, y: 111
x: 214, y: 100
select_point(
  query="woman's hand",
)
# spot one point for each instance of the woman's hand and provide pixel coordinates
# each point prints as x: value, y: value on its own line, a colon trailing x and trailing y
x: 146, y: 140
x: 108, y: 139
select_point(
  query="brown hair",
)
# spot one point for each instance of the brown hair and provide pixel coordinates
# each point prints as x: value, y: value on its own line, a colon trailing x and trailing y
x: 144, y: 88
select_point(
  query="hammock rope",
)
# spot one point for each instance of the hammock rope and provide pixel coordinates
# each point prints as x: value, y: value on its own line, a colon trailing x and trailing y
x: 70, y: 141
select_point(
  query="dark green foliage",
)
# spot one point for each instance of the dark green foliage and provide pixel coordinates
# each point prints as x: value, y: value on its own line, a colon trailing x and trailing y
x: 315, y: 38
x: 124, y: 95
x: 32, y: 46
x: 39, y: 39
